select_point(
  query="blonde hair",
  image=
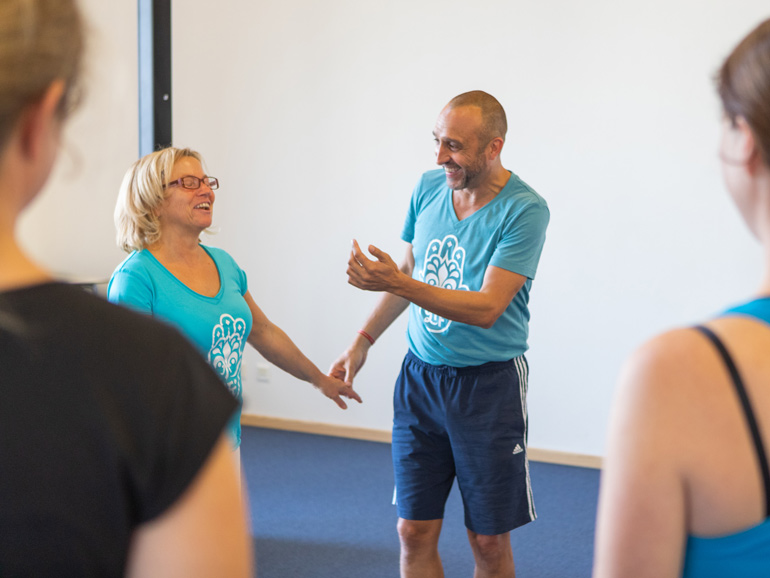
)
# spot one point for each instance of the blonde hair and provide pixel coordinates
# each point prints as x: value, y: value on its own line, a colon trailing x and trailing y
x: 41, y: 41
x: 142, y: 193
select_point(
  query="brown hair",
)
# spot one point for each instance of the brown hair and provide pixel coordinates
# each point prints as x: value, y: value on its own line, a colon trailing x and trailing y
x: 40, y: 41
x: 492, y: 113
x: 743, y: 84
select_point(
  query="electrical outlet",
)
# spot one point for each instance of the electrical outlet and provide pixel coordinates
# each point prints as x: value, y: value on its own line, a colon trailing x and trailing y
x: 263, y: 373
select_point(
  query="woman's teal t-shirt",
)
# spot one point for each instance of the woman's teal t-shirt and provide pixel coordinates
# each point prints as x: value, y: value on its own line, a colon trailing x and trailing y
x: 218, y: 326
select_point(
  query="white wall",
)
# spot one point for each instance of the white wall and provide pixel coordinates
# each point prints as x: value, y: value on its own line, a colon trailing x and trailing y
x: 69, y: 227
x: 317, y: 118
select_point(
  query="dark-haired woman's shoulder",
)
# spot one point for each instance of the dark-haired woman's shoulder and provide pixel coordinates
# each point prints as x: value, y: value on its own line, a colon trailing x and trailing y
x: 642, y: 511
x: 678, y: 459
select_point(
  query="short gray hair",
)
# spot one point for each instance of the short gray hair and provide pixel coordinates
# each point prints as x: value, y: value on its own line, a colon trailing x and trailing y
x: 494, y: 123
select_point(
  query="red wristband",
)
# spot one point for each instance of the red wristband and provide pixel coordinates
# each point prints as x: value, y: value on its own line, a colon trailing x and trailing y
x: 369, y: 338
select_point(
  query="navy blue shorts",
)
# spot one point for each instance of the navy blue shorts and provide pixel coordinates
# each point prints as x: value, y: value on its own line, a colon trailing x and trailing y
x: 469, y: 423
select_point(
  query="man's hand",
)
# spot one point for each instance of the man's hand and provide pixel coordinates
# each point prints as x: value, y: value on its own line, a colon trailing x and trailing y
x: 335, y: 389
x: 350, y: 362
x: 364, y: 273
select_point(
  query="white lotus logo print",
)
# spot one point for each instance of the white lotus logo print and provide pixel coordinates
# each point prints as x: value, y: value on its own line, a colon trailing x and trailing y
x: 443, y: 267
x: 225, y: 354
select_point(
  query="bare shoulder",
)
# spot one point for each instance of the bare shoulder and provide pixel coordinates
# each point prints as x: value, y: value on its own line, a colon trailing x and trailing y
x: 675, y: 363
x: 668, y: 392
x: 641, y: 519
x: 666, y: 366
x: 674, y: 394
x: 676, y: 440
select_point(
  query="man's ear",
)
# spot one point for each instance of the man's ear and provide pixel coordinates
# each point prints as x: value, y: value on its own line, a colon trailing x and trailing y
x: 495, y: 147
x: 40, y: 120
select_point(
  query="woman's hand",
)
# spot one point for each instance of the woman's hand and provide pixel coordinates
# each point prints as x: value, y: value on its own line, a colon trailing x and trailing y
x: 335, y: 389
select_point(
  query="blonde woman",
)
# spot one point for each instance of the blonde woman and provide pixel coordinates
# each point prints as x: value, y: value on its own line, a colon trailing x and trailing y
x: 165, y: 202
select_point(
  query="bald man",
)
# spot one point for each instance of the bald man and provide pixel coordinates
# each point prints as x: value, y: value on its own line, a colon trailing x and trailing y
x: 474, y: 234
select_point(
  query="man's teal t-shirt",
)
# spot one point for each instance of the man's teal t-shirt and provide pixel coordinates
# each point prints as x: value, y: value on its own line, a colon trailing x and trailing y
x: 508, y: 232
x: 218, y: 326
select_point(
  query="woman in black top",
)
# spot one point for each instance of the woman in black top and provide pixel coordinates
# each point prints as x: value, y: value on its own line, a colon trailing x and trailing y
x: 111, y: 446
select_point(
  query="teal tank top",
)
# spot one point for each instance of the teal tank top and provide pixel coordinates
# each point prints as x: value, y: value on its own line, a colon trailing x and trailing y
x: 745, y: 554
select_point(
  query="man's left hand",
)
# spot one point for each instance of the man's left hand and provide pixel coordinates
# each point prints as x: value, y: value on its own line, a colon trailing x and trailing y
x: 364, y: 273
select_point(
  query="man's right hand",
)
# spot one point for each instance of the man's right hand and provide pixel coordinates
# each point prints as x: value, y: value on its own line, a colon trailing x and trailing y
x: 350, y: 362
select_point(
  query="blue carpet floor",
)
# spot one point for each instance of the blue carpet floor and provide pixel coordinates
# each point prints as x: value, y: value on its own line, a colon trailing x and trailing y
x: 321, y: 508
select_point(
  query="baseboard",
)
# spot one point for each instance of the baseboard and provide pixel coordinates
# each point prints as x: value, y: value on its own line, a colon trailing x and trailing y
x: 314, y: 427
x: 565, y: 458
x: 377, y: 435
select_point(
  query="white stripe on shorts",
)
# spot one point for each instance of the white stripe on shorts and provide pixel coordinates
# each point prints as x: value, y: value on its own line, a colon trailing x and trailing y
x: 522, y: 369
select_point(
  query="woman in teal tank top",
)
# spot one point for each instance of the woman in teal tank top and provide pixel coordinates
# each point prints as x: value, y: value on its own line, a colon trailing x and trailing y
x: 686, y: 483
x: 165, y: 202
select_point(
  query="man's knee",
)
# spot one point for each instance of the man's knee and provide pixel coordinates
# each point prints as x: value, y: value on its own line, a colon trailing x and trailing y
x: 491, y: 548
x: 419, y: 534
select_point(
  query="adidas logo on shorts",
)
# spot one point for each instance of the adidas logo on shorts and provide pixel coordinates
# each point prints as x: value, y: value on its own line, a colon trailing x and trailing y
x: 517, y: 450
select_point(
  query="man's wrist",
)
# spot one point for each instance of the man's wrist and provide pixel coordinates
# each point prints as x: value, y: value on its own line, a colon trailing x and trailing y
x: 361, y: 342
x: 366, y: 336
x: 403, y: 286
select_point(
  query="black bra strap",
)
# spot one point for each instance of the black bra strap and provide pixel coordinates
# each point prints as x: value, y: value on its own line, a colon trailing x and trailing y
x: 748, y: 412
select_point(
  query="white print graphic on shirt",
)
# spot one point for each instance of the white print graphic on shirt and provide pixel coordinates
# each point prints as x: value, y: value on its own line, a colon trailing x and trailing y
x: 443, y: 267
x: 226, y: 351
